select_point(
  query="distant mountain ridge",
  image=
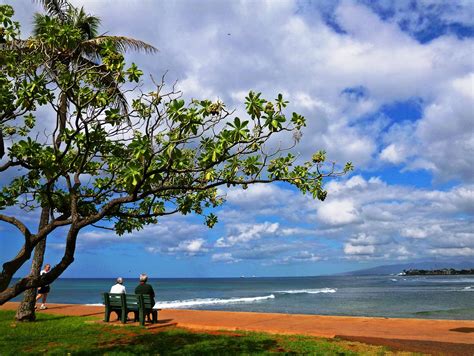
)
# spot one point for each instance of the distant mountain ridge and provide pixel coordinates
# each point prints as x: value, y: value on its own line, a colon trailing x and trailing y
x: 397, y: 268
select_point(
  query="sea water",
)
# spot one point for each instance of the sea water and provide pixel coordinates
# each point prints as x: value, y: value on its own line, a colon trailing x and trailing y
x: 435, y: 297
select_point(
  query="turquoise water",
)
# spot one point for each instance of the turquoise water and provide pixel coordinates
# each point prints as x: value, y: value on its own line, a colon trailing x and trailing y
x: 438, y: 297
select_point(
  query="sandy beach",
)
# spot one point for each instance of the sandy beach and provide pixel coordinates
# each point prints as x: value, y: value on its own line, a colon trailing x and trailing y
x: 447, y: 337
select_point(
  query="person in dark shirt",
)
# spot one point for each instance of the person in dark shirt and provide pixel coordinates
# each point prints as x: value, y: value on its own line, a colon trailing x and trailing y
x: 145, y: 288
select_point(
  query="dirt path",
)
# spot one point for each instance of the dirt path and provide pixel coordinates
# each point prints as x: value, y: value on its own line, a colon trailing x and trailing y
x: 446, y: 337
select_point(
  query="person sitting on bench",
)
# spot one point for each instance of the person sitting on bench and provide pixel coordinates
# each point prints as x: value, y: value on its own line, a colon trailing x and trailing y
x: 118, y: 287
x: 145, y: 288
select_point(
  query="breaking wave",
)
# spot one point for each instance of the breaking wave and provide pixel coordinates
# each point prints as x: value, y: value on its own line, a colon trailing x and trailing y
x: 176, y: 304
x: 308, y: 291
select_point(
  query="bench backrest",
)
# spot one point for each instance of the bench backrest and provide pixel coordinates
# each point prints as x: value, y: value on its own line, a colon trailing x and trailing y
x: 148, y: 301
x: 113, y: 300
x: 132, y: 301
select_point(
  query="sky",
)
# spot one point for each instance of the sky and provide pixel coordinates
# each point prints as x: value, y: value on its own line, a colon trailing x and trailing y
x: 387, y: 85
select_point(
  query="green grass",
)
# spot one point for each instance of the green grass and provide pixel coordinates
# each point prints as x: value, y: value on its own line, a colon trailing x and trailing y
x: 63, y: 335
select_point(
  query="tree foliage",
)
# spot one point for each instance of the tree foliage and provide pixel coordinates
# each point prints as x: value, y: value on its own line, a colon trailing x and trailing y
x: 123, y: 169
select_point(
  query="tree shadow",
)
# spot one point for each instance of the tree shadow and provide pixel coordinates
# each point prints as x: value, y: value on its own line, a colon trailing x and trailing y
x: 463, y: 330
x: 179, y: 343
x: 92, y: 314
x: 164, y: 321
x: 49, y: 318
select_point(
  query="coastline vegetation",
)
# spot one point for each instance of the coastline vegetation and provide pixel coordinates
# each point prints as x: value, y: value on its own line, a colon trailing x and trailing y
x: 438, y: 272
x: 68, y: 335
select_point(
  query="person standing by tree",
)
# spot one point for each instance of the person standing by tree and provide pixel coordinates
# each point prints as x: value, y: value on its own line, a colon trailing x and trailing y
x: 43, y: 291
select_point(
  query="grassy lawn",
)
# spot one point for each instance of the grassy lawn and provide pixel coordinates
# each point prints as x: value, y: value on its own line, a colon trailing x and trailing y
x: 63, y: 335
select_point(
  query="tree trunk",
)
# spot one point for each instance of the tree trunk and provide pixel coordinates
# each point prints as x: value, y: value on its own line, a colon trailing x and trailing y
x: 26, y: 309
x: 2, y: 145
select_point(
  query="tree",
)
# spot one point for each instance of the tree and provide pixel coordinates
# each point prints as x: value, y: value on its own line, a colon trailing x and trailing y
x: 86, y: 52
x: 124, y: 170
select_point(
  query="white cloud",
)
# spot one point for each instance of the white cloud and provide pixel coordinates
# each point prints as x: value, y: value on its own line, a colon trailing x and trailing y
x: 453, y: 252
x: 303, y: 256
x: 190, y: 247
x: 225, y: 257
x: 305, y: 101
x: 382, y: 221
x: 446, y: 131
x: 356, y: 182
x: 171, y: 235
x: 247, y: 232
x: 365, y: 239
x: 393, y: 154
x: 257, y: 195
x: 337, y: 212
x: 421, y: 232
x: 350, y: 249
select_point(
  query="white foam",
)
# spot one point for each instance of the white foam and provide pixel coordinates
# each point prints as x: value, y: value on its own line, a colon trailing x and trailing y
x: 175, y: 304
x: 468, y: 289
x: 308, y: 291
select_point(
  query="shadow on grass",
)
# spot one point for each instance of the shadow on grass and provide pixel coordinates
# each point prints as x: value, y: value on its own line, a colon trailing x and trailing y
x: 178, y: 342
x: 164, y: 321
x: 43, y: 320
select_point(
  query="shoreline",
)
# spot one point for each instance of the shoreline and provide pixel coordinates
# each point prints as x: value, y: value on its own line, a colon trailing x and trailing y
x: 101, y: 305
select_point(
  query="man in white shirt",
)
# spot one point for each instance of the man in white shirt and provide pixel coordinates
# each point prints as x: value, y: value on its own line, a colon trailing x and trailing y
x: 118, y: 287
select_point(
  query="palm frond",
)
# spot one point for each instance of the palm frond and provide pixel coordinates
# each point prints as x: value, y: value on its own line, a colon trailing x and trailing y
x: 88, y: 24
x: 56, y: 8
x: 42, y: 22
x: 39, y: 23
x: 121, y: 43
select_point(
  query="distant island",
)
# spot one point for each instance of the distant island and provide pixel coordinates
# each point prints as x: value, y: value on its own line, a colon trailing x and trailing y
x: 437, y: 272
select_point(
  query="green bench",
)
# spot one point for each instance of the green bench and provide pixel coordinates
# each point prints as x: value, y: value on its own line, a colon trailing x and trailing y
x: 140, y: 304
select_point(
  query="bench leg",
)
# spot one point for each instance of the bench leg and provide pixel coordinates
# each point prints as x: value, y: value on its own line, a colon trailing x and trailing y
x: 154, y: 314
x: 107, y: 315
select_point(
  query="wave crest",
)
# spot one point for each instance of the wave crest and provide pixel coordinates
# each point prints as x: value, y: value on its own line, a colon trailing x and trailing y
x: 308, y: 291
x: 176, y: 304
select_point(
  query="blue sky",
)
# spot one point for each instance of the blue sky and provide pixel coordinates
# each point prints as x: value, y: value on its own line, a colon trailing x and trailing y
x: 387, y: 85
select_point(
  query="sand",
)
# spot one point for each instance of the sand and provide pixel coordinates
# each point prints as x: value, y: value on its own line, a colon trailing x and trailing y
x: 447, y: 337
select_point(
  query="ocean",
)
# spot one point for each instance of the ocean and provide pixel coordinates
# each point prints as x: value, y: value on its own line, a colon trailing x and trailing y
x: 431, y: 297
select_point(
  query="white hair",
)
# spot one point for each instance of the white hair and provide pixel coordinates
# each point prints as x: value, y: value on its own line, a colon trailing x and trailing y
x: 143, y: 277
x: 119, y: 280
